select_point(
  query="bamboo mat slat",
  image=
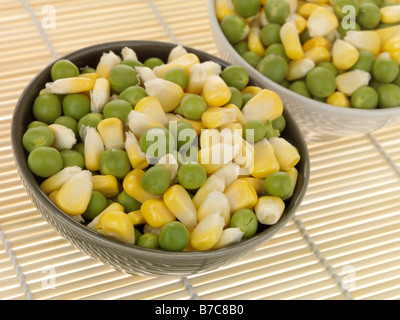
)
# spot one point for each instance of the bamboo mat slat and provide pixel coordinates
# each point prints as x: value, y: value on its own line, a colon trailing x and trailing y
x: 342, y: 244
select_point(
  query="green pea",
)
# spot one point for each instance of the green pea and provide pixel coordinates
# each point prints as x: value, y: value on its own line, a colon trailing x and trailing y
x: 365, y: 61
x: 132, y: 63
x: 133, y: 95
x: 192, y: 106
x: 385, y: 70
x: 68, y: 122
x: 270, y: 131
x: 279, y: 184
x: 47, y: 108
x: 254, y: 131
x: 278, y: 49
x: 273, y: 67
x: 339, y: 4
x: 397, y: 80
x: 121, y: 77
x: 246, y: 221
x: 36, y: 123
x: 233, y: 28
x: 156, y: 180
x: 41, y: 136
x: 246, y: 97
x: 148, y: 240
x: 270, y: 34
x: 117, y: 108
x: 138, y: 234
x: 174, y: 236
x: 88, y: 70
x: 183, y: 133
x: 247, y: 8
x: 365, y: 98
x: 389, y: 95
x: 236, y: 97
x: 235, y: 76
x: 76, y: 105
x: 329, y: 65
x: 191, y: 175
x: 92, y: 119
x: 241, y: 47
x: 156, y: 142
x: 320, y: 82
x: 373, y: 83
x: 285, y: 83
x: 300, y: 87
x: 251, y: 58
x: 64, y: 69
x: 72, y: 158
x: 130, y: 204
x: 97, y: 204
x: 80, y: 147
x: 45, y: 161
x: 177, y: 75
x: 369, y: 16
x: 279, y: 123
x: 153, y: 62
x: 115, y: 162
x: 304, y: 36
x: 277, y: 11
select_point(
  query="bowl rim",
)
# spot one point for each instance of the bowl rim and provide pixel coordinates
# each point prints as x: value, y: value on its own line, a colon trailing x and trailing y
x: 311, y: 103
x: 31, y: 184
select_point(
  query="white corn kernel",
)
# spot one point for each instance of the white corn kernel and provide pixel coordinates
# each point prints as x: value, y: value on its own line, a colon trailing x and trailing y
x: 269, y: 209
x: 100, y: 95
x: 139, y: 122
x: 229, y: 236
x: 64, y: 138
x: 93, y: 149
x: 70, y: 85
x: 55, y: 182
x: 351, y: 81
x: 128, y: 53
x: 107, y: 62
x: 176, y: 52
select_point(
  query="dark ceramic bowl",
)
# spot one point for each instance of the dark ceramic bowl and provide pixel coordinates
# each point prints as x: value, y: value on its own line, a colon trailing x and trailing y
x: 121, y: 256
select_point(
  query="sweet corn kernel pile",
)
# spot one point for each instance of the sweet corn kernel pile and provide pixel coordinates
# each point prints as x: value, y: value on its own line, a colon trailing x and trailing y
x: 234, y: 182
x: 329, y: 33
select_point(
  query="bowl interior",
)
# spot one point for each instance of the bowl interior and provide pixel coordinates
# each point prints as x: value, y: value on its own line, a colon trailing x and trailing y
x: 144, y: 49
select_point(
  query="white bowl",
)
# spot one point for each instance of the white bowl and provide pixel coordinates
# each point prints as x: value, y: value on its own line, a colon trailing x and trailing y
x: 318, y: 121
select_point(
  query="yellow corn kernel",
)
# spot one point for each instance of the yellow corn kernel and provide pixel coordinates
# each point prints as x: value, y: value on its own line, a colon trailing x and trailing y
x: 344, y: 55
x: 386, y: 34
x: 70, y: 85
x: 286, y: 154
x: 229, y: 172
x: 216, y: 92
x: 229, y: 236
x: 269, y: 209
x: 291, y: 41
x: 176, y: 52
x: 196, y: 124
x: 207, y: 233
x: 251, y: 90
x: 215, y: 202
x: 209, y: 137
x: 265, y: 161
x: 218, y: 116
x: 317, y: 42
x: 321, y: 22
x: 168, y: 93
x: 64, y: 138
x: 294, y: 174
x: 239, y: 115
x: 92, y: 76
x: 233, y: 126
x: 257, y: 183
x: 224, y: 8
x: 265, y: 105
x: 132, y: 185
x: 136, y: 217
x: 298, y: 69
x: 216, y: 156
x: 299, y: 21
x: 106, y: 184
x: 52, y: 196
x: 100, y: 95
x: 392, y: 45
x: 350, y: 82
x: 364, y: 40
x: 111, y: 131
x: 338, y: 99
x: 93, y: 149
x: 116, y: 225
x: 107, y: 62
x: 136, y: 156
x: 185, y: 61
x: 318, y: 55
x: 178, y: 201
x: 152, y: 107
x: 254, y: 41
x: 55, y: 182
x: 395, y: 54
x: 307, y: 9
x: 197, y: 78
x: 114, y: 206
x: 128, y: 53
x: 241, y: 194
x: 139, y: 122
x: 74, y: 195
x: 161, y: 70
x: 213, y: 183
x: 156, y: 213
x: 390, y: 14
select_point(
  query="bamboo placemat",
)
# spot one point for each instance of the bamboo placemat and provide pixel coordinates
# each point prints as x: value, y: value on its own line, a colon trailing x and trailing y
x: 344, y: 242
